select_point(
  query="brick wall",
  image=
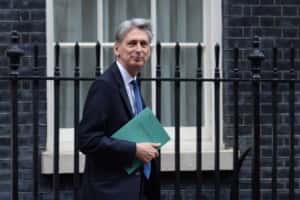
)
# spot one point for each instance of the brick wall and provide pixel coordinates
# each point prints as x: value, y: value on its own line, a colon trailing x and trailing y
x: 277, y: 22
x: 27, y: 17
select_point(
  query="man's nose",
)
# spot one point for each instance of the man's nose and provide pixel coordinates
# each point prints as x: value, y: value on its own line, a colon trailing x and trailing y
x: 139, y: 47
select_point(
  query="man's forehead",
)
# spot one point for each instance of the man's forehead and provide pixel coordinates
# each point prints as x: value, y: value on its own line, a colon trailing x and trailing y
x: 137, y: 34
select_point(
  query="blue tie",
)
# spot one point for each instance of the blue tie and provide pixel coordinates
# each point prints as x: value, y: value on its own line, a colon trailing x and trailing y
x: 138, y: 108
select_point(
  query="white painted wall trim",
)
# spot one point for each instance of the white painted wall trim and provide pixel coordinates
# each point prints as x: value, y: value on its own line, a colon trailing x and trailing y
x: 187, y: 149
x: 188, y: 161
x: 50, y: 72
x: 212, y: 21
x: 153, y: 55
x: 100, y: 28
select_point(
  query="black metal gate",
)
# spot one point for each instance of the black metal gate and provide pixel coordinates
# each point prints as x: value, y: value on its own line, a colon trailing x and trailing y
x: 255, y: 81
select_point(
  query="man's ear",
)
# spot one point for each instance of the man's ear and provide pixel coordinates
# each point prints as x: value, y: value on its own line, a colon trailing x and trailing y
x: 116, y: 49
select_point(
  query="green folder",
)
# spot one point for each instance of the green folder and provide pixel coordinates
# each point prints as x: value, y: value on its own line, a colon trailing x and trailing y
x: 144, y: 127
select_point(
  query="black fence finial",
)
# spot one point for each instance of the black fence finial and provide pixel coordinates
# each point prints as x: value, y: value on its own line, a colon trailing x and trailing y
x: 256, y: 57
x: 14, y: 52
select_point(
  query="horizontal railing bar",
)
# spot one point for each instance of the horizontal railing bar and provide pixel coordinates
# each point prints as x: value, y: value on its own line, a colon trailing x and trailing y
x: 149, y: 79
x: 111, y: 44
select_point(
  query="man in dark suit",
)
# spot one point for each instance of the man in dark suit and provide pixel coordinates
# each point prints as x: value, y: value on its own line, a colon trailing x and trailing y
x: 112, y: 101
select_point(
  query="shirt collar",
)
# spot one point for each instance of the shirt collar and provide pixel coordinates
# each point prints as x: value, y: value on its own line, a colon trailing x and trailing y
x: 127, y: 78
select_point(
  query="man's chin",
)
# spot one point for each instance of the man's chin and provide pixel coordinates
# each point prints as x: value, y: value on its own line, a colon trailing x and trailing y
x: 138, y: 65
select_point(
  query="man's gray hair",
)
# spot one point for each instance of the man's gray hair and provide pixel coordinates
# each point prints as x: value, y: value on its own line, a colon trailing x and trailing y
x: 128, y: 25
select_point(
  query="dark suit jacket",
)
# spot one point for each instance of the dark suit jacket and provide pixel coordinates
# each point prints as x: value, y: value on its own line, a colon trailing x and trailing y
x: 107, y: 109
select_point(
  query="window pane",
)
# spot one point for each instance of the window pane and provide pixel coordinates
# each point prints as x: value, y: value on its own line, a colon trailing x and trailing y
x: 179, y: 20
x: 188, y: 69
x: 75, y: 20
x: 108, y: 57
x: 116, y: 11
x: 87, y: 69
x: 146, y: 85
x: 185, y: 25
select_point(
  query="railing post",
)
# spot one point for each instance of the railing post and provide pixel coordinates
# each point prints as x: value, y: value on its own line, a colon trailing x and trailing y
x: 199, y: 101
x: 14, y: 54
x: 98, y: 54
x: 76, y: 180
x: 292, y: 138
x: 177, y: 123
x: 275, y: 100
x: 57, y: 72
x: 158, y: 108
x: 256, y: 57
x: 217, y: 123
x: 35, y: 135
x: 236, y: 86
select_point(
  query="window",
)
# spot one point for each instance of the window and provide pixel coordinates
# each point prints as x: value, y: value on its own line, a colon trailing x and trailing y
x: 192, y: 21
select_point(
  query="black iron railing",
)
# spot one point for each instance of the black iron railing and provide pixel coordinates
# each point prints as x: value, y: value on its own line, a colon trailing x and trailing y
x: 256, y: 57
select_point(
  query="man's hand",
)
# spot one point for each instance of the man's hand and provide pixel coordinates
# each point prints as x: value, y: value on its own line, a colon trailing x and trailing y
x: 145, y: 152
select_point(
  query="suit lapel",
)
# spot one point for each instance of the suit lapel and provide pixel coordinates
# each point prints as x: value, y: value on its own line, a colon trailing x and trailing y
x: 122, y: 89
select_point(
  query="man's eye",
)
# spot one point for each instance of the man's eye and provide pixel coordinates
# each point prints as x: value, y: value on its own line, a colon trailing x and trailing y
x: 144, y: 44
x: 131, y: 43
x: 134, y: 43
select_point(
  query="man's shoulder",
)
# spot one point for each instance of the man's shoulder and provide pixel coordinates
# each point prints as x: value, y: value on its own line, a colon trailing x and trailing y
x: 109, y: 72
x: 108, y: 78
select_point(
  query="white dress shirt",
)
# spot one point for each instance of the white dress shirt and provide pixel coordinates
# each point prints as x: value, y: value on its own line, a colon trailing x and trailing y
x: 127, y: 78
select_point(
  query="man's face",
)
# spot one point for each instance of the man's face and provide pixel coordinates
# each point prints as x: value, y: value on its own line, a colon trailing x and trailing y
x: 133, y: 51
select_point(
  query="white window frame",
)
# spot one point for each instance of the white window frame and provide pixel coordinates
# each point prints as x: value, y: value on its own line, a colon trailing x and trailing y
x: 212, y: 26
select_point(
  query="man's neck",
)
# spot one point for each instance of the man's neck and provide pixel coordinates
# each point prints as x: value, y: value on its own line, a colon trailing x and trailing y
x: 126, y: 75
x: 132, y: 73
